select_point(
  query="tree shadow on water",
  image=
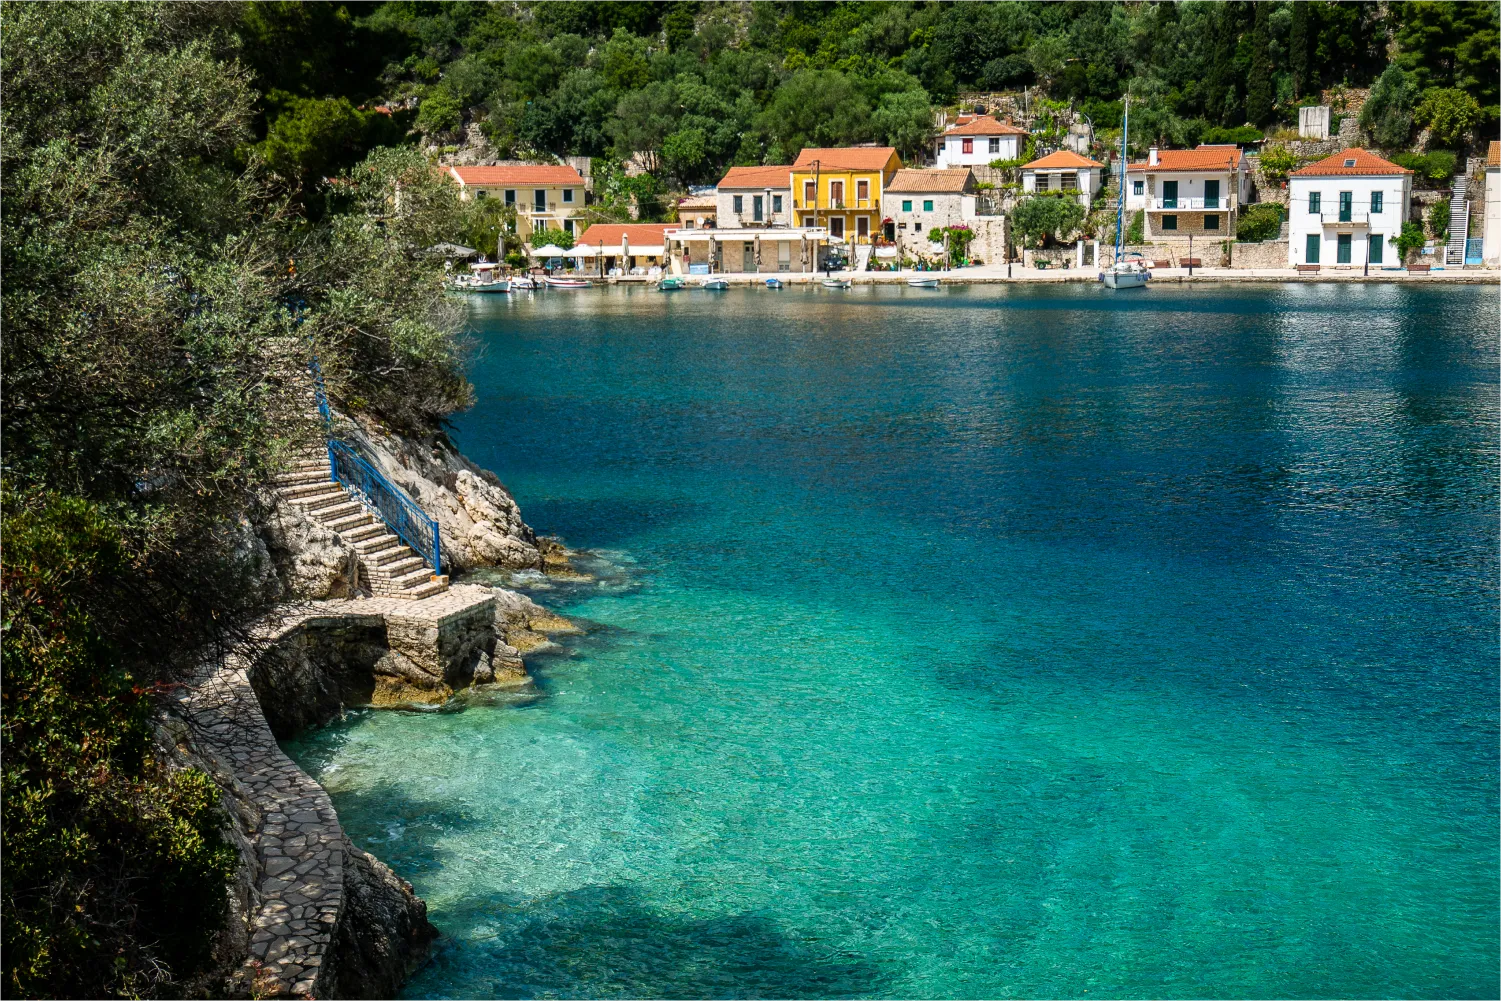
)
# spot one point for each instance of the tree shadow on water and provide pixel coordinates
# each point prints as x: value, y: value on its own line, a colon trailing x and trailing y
x: 606, y: 942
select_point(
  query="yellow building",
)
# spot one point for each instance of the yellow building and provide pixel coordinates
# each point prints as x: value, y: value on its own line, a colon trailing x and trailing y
x: 842, y: 189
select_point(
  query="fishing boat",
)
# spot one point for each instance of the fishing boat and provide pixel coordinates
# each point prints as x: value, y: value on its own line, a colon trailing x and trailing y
x: 484, y: 279
x: 522, y: 283
x: 923, y: 282
x: 836, y: 283
x: 1128, y: 270
x: 774, y: 283
x: 716, y: 284
x: 554, y: 281
x: 671, y: 284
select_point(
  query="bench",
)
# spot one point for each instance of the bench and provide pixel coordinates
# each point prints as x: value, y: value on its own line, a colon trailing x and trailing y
x: 1308, y: 269
x: 1162, y: 264
x: 1190, y: 262
x: 1419, y: 269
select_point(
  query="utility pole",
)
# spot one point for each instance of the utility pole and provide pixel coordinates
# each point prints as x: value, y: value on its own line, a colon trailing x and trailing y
x: 1190, y: 255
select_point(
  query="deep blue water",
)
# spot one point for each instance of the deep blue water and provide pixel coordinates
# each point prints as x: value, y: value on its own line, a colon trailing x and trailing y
x: 985, y: 642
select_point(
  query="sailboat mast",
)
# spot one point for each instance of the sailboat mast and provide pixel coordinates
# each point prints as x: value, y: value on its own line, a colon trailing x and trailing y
x: 1120, y: 205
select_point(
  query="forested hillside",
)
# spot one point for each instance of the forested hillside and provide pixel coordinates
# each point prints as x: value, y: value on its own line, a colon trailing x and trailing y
x: 708, y: 85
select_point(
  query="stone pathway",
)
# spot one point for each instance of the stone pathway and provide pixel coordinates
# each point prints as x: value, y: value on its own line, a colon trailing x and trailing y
x: 298, y: 839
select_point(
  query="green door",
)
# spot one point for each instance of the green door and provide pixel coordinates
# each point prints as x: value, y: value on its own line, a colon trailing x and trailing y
x: 1311, y: 255
x: 1342, y: 251
x: 1211, y: 194
x: 1377, y: 249
x: 1169, y: 194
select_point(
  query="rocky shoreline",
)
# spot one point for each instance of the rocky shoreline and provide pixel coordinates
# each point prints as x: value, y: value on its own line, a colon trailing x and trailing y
x: 311, y: 914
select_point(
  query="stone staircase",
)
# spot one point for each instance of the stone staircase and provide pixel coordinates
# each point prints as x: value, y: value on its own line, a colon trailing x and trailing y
x: 1459, y: 222
x: 388, y: 567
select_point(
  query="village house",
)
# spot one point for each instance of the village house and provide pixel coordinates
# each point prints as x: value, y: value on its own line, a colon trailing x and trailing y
x: 1491, y: 246
x: 920, y: 200
x: 975, y: 141
x: 1347, y: 210
x: 843, y: 190
x: 747, y: 250
x: 698, y: 211
x: 1186, y: 192
x: 1065, y: 171
x: 750, y: 197
x: 545, y: 196
x: 603, y: 247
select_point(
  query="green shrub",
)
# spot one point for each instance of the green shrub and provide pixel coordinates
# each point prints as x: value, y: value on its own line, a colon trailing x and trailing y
x: 1438, y: 220
x: 1240, y: 135
x: 1277, y: 162
x: 558, y: 237
x: 1136, y: 230
x: 1260, y: 222
x: 1449, y: 112
x: 1436, y: 166
x: 1047, y: 217
x: 1410, y: 240
x: 1388, y: 112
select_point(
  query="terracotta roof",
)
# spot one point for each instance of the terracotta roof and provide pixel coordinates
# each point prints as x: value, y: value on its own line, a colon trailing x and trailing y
x: 948, y: 181
x: 1365, y: 165
x: 699, y: 202
x: 985, y: 125
x: 1223, y: 157
x: 853, y: 158
x: 1061, y: 159
x: 1493, y: 158
x: 640, y: 234
x: 521, y: 176
x: 757, y: 177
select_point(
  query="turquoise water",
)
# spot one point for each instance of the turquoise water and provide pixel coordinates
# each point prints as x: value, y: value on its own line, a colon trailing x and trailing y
x: 975, y: 643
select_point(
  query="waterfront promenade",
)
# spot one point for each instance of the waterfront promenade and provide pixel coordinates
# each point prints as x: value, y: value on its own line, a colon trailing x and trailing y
x: 990, y: 274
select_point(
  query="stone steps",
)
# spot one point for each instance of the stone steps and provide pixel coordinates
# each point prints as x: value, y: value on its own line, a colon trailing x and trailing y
x: 389, y: 566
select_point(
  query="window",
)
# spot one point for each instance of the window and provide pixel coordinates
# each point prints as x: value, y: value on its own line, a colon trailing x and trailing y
x: 758, y: 208
x: 1169, y: 222
x: 906, y: 205
x: 1311, y: 249
x: 1346, y: 202
x: 969, y: 145
x: 480, y: 193
x: 568, y: 226
x: 1350, y: 162
x: 809, y: 194
x: 776, y: 204
x: 739, y: 203
x: 1138, y: 187
x: 836, y: 194
x: 1375, y: 203
x: 567, y: 194
x: 510, y: 196
x: 687, y: 223
x: 1070, y: 181
x: 1376, y: 249
x: 862, y: 190
x: 836, y: 227
x: 1342, y: 249
x: 1211, y: 223
x: 539, y: 200
x: 995, y: 145
x: 1169, y: 194
x: 862, y: 226
x: 927, y: 205
x: 1315, y: 206
x: 807, y: 220
x: 1211, y: 195
x: 1042, y: 181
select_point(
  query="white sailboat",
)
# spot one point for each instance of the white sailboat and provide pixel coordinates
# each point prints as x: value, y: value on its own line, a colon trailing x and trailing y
x: 1124, y: 273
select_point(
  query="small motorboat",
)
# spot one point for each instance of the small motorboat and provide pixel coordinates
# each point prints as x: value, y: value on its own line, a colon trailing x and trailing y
x: 522, y: 282
x: 836, y: 283
x: 553, y: 281
x: 671, y: 284
x: 716, y: 284
x: 484, y: 279
x: 775, y: 283
x: 923, y: 282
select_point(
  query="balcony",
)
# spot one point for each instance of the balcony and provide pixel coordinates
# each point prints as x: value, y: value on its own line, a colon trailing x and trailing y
x: 1346, y: 217
x: 1159, y: 204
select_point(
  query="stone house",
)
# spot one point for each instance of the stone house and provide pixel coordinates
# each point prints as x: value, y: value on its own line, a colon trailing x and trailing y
x: 698, y: 212
x: 920, y: 200
x: 1065, y: 171
x: 545, y: 196
x: 975, y: 141
x: 753, y: 197
x: 1189, y: 191
x: 1346, y: 210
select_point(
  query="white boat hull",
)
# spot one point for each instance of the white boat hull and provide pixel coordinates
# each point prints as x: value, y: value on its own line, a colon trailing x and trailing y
x: 1124, y: 279
x: 565, y: 283
x: 923, y: 282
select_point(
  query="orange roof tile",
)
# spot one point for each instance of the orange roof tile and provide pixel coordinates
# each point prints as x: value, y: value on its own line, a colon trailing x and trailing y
x: 1062, y: 159
x: 529, y: 174
x: 951, y: 180
x: 848, y: 158
x: 1360, y: 164
x: 985, y: 125
x: 1219, y: 157
x: 1493, y: 157
x: 757, y: 177
x: 640, y: 234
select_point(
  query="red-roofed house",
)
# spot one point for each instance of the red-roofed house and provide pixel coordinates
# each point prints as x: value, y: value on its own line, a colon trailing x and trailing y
x: 1347, y: 209
x: 842, y: 189
x: 612, y: 245
x: 1065, y: 170
x: 1185, y: 192
x: 546, y: 196
x: 754, y: 196
x: 975, y: 141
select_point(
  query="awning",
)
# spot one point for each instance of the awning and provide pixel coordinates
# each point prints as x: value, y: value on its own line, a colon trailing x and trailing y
x: 885, y: 251
x: 551, y: 250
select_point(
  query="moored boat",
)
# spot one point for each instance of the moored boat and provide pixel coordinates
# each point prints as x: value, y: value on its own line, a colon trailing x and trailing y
x: 716, y: 284
x: 553, y: 281
x: 671, y: 284
x: 774, y: 283
x: 1126, y: 274
x: 522, y: 282
x: 923, y: 282
x: 1126, y: 270
x: 484, y: 279
x: 836, y: 283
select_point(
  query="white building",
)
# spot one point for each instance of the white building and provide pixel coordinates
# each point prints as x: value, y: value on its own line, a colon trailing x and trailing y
x: 1346, y: 210
x: 544, y: 196
x: 1065, y: 171
x: 754, y: 197
x: 1187, y: 192
x: 1491, y: 254
x: 974, y: 142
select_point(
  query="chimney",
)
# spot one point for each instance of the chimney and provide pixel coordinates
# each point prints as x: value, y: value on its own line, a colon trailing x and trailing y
x: 1152, y: 157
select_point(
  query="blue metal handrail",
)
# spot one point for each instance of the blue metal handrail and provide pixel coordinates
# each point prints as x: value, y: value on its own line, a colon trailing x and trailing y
x: 400, y: 513
x: 320, y: 393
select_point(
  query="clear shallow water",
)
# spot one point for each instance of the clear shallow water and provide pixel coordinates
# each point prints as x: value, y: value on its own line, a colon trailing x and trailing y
x: 975, y: 643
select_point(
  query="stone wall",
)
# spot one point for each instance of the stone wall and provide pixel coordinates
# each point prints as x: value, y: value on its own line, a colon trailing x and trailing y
x: 1268, y: 254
